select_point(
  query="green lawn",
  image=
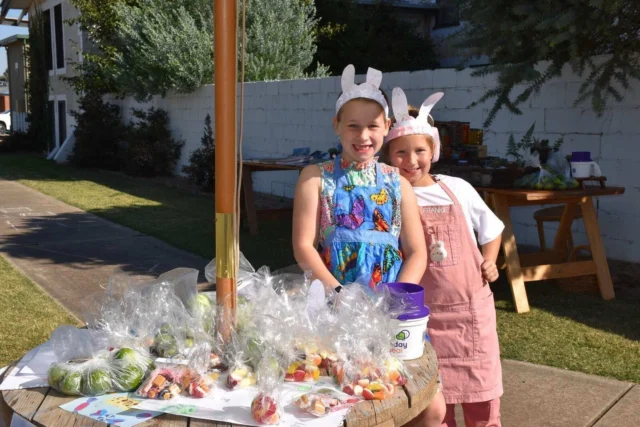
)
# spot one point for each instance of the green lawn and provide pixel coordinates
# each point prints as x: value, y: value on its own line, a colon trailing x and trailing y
x: 28, y: 314
x: 576, y: 332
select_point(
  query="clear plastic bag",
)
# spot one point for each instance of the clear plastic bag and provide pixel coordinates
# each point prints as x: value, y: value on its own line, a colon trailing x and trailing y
x: 554, y: 175
x: 152, y: 316
x: 164, y: 383
x: 319, y: 404
x: 93, y: 372
x: 361, y: 332
x: 266, y: 407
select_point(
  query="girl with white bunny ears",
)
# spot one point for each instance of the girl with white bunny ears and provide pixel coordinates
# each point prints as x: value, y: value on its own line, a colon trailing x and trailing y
x: 356, y: 220
x: 457, y: 275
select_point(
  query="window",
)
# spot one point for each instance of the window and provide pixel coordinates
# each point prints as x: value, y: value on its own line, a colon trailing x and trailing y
x: 62, y: 121
x: 48, y: 41
x: 448, y: 14
x: 57, y: 12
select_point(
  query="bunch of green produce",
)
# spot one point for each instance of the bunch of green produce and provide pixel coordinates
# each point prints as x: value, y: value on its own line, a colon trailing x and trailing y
x: 121, y: 370
x: 546, y: 179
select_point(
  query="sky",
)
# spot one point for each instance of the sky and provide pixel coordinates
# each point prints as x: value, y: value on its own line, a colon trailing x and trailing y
x: 8, y: 31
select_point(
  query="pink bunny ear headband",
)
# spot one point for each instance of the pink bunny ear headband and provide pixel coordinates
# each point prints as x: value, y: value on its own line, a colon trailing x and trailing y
x: 407, y: 125
x: 370, y: 89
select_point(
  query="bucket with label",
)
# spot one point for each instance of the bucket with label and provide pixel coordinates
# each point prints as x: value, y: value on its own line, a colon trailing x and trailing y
x: 409, y: 329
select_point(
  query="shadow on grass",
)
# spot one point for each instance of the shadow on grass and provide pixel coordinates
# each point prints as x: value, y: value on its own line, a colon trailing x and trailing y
x: 182, y: 219
x: 620, y: 316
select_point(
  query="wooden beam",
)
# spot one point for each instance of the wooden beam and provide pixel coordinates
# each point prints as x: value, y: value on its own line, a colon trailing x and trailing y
x: 558, y: 271
x: 597, y: 249
x: 514, y: 271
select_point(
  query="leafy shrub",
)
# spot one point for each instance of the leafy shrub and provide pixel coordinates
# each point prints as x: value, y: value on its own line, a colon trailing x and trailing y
x: 151, y: 150
x: 200, y: 170
x: 99, y: 134
x: 18, y: 141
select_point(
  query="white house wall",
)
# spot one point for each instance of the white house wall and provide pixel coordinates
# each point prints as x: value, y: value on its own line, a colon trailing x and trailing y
x: 281, y: 116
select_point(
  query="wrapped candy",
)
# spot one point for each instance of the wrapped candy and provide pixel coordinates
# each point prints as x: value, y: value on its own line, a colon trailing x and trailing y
x: 164, y: 383
x: 266, y: 407
x: 240, y: 376
x: 319, y: 404
x: 198, y: 385
x: 360, y: 328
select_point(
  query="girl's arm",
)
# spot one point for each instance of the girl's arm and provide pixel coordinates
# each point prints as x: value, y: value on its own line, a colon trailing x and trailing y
x: 306, y: 220
x: 490, y: 254
x: 412, y: 240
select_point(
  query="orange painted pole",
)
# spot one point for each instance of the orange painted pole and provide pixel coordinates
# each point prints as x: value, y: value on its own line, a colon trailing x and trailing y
x: 225, y: 20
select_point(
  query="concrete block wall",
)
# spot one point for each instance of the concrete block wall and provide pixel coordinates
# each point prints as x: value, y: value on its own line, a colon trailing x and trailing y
x: 280, y: 116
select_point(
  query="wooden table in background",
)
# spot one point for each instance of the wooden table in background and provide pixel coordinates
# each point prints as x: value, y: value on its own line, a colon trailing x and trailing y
x: 248, y: 167
x: 551, y: 264
x: 41, y: 406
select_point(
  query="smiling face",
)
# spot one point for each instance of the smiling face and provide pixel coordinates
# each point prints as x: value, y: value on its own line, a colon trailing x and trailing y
x: 412, y: 154
x: 361, y: 126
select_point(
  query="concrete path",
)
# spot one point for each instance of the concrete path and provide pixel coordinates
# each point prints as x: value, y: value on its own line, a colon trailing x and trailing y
x: 71, y: 254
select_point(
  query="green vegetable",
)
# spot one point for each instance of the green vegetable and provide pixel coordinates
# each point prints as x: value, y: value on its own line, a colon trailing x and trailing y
x: 57, y: 372
x: 127, y: 354
x: 98, y: 382
x: 71, y: 384
x: 130, y: 378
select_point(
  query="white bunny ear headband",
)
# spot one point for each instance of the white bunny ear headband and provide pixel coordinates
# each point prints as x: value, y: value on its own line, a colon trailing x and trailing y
x: 407, y: 125
x: 370, y: 89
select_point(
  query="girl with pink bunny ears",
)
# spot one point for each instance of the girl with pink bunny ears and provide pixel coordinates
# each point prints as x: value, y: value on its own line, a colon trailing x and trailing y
x: 462, y: 324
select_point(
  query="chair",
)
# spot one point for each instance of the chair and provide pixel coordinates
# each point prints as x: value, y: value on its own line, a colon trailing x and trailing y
x: 552, y: 214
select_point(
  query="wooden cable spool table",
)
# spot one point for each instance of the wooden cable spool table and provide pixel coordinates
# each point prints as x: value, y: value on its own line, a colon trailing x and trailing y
x: 41, y: 406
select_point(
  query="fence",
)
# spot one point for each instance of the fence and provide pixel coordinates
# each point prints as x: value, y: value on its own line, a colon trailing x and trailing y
x: 19, y: 122
x: 280, y: 116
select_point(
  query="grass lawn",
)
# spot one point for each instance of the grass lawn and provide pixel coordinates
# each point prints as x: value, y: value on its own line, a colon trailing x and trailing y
x: 576, y: 332
x: 28, y: 314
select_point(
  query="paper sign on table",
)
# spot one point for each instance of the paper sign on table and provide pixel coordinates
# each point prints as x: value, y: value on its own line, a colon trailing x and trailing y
x: 234, y: 406
x: 31, y: 370
x: 115, y: 408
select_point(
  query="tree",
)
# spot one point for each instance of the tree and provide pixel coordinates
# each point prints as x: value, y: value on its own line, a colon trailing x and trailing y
x: 281, y: 39
x: 517, y: 34
x: 200, y: 169
x: 370, y: 36
x: 40, y: 116
x: 148, y: 47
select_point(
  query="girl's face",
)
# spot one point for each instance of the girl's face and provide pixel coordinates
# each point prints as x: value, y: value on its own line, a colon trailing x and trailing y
x: 361, y: 127
x: 412, y: 154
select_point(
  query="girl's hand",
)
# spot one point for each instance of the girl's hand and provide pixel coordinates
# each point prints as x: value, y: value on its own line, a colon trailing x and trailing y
x: 489, y: 271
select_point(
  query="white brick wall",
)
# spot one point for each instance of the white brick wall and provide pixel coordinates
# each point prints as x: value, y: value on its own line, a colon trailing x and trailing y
x: 281, y: 116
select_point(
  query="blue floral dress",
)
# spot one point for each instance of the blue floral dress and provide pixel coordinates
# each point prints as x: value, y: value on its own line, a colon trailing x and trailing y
x: 360, y: 222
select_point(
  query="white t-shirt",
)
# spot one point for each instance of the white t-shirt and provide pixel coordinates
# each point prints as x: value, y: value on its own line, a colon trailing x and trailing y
x: 477, y: 214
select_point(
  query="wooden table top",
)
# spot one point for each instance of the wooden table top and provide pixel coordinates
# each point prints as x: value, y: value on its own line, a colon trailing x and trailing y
x: 41, y: 405
x: 553, y: 195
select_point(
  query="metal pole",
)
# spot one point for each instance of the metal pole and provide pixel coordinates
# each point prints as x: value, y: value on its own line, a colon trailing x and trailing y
x: 225, y: 19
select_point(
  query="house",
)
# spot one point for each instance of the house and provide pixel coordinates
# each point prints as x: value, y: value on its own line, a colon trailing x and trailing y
x: 63, y: 46
x: 17, y: 68
x: 424, y: 15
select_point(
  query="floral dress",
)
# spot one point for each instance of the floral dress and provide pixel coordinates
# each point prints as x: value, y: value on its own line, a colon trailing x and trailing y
x: 360, y: 222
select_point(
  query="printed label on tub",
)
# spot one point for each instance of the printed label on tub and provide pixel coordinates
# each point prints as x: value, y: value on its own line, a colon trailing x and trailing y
x: 409, y: 337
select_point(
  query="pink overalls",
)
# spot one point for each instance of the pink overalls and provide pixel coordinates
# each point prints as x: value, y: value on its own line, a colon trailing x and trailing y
x: 462, y: 324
